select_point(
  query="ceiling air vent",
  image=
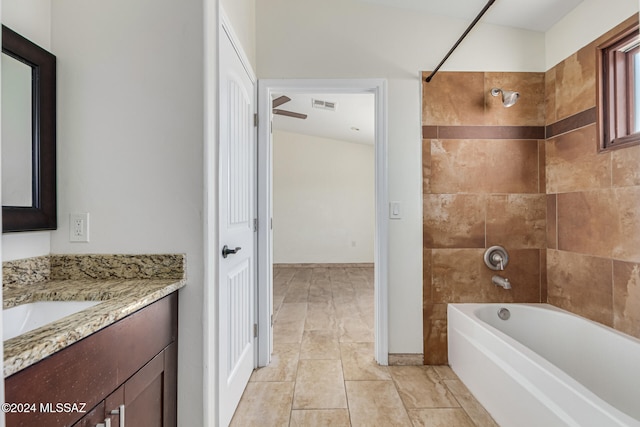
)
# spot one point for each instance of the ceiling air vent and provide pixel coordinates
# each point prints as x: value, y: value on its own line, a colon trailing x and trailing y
x: 323, y: 105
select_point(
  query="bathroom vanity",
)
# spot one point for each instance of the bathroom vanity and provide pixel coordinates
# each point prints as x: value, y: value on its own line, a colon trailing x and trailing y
x: 113, y: 364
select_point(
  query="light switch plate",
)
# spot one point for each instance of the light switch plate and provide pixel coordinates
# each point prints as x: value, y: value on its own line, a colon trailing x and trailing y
x: 395, y: 210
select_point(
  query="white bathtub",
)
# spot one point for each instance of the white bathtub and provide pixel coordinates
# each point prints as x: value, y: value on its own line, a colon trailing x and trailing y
x: 545, y: 366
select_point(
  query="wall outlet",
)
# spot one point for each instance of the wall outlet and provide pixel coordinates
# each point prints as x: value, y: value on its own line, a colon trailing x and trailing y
x: 79, y: 227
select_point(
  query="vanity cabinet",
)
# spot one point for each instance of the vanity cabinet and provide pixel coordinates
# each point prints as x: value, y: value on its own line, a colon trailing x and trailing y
x: 131, y: 363
x: 145, y: 399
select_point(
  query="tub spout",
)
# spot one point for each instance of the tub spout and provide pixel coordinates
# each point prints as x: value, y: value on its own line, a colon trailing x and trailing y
x: 501, y: 281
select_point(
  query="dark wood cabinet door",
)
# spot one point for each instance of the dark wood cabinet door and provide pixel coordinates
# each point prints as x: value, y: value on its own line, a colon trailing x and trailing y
x: 93, y: 417
x: 143, y: 395
x: 113, y: 405
x: 149, y: 395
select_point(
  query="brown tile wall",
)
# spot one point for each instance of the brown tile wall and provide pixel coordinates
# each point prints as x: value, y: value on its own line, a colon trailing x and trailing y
x: 483, y: 185
x: 593, y: 202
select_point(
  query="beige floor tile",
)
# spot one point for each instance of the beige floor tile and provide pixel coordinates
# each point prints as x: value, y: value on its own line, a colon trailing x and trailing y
x: 320, y: 344
x: 359, y: 363
x: 323, y: 371
x: 420, y: 387
x: 289, y: 323
x: 320, y: 292
x: 342, y: 291
x: 302, y: 277
x: 440, y: 417
x: 353, y: 328
x: 320, y: 418
x: 298, y: 292
x: 375, y: 403
x: 321, y: 316
x: 360, y: 284
x: 338, y: 275
x: 283, y: 365
x: 264, y: 404
x: 277, y: 304
x: 345, y: 301
x: 445, y: 372
x: 367, y: 316
x: 281, y: 279
x: 472, y: 407
x: 319, y: 385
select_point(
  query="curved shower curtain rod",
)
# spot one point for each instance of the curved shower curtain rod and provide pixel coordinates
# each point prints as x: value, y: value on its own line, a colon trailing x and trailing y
x: 475, y: 21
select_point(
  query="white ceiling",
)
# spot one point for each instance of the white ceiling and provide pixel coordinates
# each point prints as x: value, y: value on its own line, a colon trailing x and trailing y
x: 352, y: 111
x: 357, y: 111
x: 535, y: 15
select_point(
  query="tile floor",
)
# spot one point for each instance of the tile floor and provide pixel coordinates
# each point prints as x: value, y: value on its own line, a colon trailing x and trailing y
x: 323, y: 372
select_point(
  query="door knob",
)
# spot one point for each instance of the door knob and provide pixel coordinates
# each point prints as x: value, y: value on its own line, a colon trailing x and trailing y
x: 226, y: 251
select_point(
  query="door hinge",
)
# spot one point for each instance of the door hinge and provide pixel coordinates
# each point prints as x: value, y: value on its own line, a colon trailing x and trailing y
x: 255, y: 119
x: 255, y: 330
x: 255, y: 224
x: 272, y: 320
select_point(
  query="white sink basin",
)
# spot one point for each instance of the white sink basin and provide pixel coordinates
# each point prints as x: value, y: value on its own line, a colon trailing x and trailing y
x: 27, y: 317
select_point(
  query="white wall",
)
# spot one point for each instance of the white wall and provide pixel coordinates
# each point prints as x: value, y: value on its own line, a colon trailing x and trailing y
x: 31, y: 19
x: 352, y: 39
x: 587, y: 22
x: 242, y: 16
x: 323, y: 200
x: 130, y: 145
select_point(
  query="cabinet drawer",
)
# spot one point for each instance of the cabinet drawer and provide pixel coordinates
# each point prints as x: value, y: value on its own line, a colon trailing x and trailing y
x: 89, y: 370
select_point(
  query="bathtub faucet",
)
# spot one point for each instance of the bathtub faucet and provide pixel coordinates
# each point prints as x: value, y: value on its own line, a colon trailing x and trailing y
x: 501, y: 281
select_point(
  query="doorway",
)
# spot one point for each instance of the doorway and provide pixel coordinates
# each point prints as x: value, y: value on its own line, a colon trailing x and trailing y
x: 268, y: 90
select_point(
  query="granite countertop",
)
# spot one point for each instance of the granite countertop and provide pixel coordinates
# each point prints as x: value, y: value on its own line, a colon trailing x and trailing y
x: 121, y: 294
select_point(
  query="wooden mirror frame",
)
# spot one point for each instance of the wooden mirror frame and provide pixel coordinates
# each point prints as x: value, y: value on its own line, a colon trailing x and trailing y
x: 42, y: 214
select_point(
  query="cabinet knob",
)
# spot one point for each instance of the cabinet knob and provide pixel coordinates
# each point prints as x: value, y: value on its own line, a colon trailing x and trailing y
x: 120, y: 413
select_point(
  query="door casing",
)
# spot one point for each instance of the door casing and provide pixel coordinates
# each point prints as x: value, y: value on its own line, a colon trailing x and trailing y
x: 377, y: 87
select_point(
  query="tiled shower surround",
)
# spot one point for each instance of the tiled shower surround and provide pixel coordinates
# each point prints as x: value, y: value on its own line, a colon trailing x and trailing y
x: 483, y: 185
x: 529, y: 178
x: 593, y: 204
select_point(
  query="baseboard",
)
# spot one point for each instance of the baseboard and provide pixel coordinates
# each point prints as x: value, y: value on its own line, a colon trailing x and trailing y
x: 406, y: 359
x: 325, y: 265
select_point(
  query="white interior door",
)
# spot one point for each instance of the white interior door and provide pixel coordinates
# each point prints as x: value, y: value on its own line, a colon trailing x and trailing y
x: 237, y: 212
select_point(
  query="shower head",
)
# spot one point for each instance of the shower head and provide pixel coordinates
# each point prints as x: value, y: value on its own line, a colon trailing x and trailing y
x: 509, y: 97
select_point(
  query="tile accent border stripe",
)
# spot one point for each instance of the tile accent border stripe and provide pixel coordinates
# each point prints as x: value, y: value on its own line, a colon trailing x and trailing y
x: 577, y: 121
x: 574, y: 122
x: 483, y: 132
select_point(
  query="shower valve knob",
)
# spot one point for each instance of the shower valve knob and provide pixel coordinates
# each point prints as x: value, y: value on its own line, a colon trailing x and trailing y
x: 496, y: 258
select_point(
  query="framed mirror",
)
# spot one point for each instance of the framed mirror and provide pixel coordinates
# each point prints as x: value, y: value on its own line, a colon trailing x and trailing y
x: 28, y: 135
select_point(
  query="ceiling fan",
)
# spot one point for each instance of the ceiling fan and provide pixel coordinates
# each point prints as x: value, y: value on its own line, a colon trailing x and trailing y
x: 281, y: 100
